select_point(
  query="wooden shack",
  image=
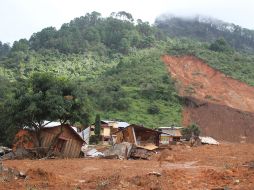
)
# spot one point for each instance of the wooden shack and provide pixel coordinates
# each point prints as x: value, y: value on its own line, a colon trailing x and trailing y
x: 68, y: 143
x: 170, y: 135
x: 138, y: 135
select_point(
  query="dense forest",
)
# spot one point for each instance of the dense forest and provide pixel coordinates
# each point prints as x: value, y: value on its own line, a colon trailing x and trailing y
x: 111, y: 66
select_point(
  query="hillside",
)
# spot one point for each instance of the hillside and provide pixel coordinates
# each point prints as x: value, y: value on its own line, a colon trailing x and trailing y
x: 115, y: 62
x: 207, y: 29
x: 220, y: 105
x: 195, y: 78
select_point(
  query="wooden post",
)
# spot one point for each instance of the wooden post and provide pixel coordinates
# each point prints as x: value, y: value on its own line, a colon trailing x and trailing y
x: 134, y: 135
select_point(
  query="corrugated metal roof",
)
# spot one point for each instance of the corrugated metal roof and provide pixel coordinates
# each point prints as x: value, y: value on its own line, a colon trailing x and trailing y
x: 85, y: 134
x: 49, y: 124
x: 119, y: 123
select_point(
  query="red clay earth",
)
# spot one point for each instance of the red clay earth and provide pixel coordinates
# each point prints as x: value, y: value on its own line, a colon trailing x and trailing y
x: 204, y: 167
x: 221, y: 106
x: 201, y: 81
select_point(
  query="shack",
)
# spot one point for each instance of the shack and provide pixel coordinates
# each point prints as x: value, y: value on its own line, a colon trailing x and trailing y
x: 108, y: 128
x: 170, y: 134
x: 138, y: 135
x: 67, y: 141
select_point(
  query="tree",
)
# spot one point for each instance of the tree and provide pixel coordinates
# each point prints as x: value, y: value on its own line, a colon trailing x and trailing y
x: 191, y: 130
x: 97, y: 129
x: 124, y: 15
x: 21, y: 45
x: 220, y: 45
x: 45, y: 97
x: 4, y: 49
x: 7, y: 129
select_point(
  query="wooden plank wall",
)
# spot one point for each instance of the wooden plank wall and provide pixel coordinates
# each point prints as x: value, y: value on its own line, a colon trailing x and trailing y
x: 72, y: 146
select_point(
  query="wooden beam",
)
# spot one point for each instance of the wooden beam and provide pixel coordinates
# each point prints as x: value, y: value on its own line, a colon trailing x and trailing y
x: 134, y: 135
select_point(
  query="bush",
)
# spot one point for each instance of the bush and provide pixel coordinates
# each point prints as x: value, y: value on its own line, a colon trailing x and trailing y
x: 153, y: 109
x: 192, y: 129
x: 220, y: 45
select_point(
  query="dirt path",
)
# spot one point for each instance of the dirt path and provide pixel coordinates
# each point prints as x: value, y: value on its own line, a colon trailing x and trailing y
x: 204, y: 167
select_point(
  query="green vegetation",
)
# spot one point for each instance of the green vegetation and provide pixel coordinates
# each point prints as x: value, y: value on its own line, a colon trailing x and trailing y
x: 190, y: 131
x: 97, y: 129
x: 138, y: 82
x: 45, y: 97
x: 207, y: 30
x: 238, y: 65
x: 111, y: 66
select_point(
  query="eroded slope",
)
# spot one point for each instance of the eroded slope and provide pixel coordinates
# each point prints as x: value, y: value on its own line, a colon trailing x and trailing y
x: 221, y: 106
x: 197, y: 79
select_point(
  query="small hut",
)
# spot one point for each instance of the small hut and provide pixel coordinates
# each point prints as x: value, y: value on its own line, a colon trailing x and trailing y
x: 138, y: 135
x: 67, y: 142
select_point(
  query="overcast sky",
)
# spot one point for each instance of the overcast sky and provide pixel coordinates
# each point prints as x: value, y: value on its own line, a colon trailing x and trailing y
x: 21, y: 18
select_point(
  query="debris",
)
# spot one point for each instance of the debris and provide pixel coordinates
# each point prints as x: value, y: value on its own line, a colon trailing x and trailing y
x: 195, y: 141
x: 141, y: 153
x: 122, y: 150
x: 93, y: 153
x: 112, y: 157
x: 209, y: 140
x: 4, y: 150
x: 155, y: 173
x: 8, y: 156
x: 149, y: 146
x: 21, y: 153
x: 22, y: 174
x: 250, y: 164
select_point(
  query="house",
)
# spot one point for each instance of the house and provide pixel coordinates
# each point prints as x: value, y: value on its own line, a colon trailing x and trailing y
x: 139, y: 135
x: 67, y: 141
x: 108, y: 128
x: 170, y: 134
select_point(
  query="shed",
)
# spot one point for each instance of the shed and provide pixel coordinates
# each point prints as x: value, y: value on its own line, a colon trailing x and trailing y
x: 138, y: 135
x: 108, y: 127
x: 170, y: 134
x: 68, y: 143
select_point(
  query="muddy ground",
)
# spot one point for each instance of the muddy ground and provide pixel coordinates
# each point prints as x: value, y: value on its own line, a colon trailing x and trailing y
x: 227, y: 166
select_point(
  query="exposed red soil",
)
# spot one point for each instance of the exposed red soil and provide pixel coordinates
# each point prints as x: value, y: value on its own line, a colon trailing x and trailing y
x: 204, y: 167
x: 219, y: 121
x: 201, y: 81
x: 221, y: 106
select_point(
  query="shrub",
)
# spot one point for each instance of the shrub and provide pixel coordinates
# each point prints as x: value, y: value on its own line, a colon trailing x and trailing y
x: 153, y: 109
x: 192, y: 129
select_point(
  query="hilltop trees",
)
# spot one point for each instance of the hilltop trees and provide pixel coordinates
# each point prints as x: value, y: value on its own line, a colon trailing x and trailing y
x: 115, y: 34
x: 4, y: 49
x: 207, y: 30
x: 220, y: 45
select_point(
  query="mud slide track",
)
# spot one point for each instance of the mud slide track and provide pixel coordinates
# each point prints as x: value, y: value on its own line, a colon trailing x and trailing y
x: 229, y: 104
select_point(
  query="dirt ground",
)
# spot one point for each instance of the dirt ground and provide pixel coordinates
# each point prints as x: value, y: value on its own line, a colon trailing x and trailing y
x: 222, y: 107
x: 227, y: 166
